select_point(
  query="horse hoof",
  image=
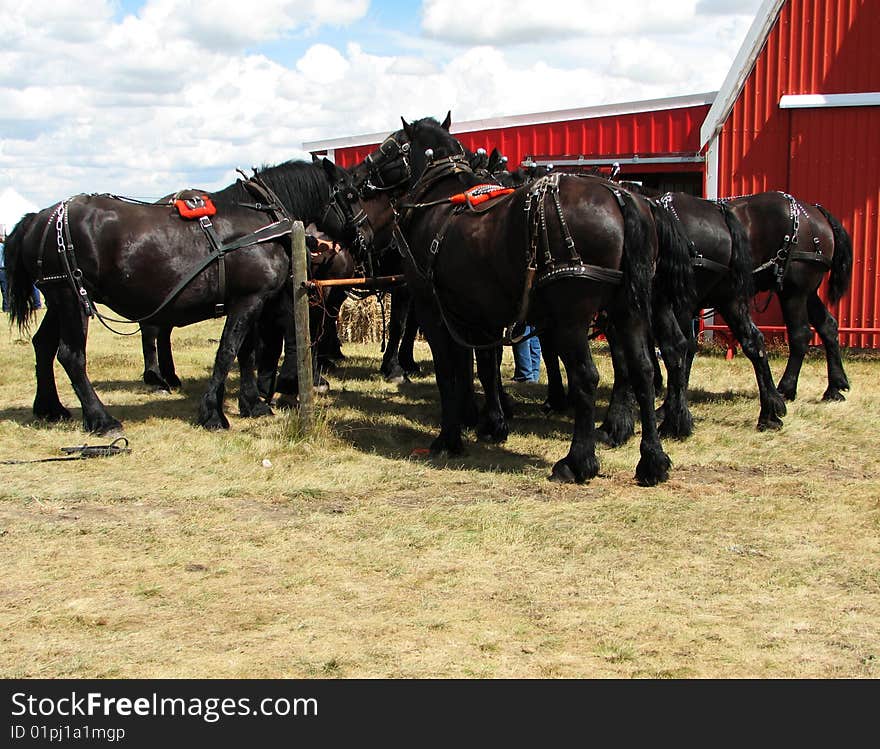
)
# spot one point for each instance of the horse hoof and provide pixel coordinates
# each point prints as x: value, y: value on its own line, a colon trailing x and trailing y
x: 255, y: 411
x: 323, y: 387
x: 676, y: 430
x: 562, y: 474
x: 53, y: 416
x: 396, y: 379
x: 495, y: 434
x: 653, y: 468
x: 173, y: 381
x: 153, y: 380
x: 553, y: 407
x: 444, y: 445
x: 215, y: 422
x: 769, y: 425
x: 110, y: 429
x: 833, y: 396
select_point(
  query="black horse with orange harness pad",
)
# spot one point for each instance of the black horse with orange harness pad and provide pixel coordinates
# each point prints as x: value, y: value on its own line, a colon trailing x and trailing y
x: 488, y: 273
x: 147, y: 263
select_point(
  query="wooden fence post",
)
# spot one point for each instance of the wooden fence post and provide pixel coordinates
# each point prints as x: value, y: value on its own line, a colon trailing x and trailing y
x: 300, y: 269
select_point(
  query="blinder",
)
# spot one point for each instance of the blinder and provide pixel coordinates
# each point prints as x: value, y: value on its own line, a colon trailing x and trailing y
x: 388, y: 167
x: 340, y: 214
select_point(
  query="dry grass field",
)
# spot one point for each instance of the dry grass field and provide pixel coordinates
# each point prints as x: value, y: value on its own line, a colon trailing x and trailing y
x: 350, y: 556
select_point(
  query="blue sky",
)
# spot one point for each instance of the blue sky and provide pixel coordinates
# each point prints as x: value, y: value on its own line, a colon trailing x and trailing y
x: 139, y: 97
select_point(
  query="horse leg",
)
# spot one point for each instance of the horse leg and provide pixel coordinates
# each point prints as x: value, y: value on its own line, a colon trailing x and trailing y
x: 619, y: 424
x: 149, y: 333
x: 238, y: 324
x: 158, y: 362
x: 391, y: 369
x: 72, y: 356
x: 405, y: 355
x: 250, y: 404
x: 467, y: 396
x: 556, y: 400
x: 826, y: 326
x: 794, y: 312
x: 635, y: 339
x: 449, y: 368
x: 736, y: 314
x: 506, y: 401
x: 269, y: 343
x: 677, y: 419
x: 166, y: 359
x: 47, y: 404
x: 492, y: 426
x: 581, y: 463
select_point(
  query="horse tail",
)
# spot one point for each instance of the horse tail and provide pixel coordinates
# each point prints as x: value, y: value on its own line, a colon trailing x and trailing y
x: 674, y: 279
x: 842, y: 262
x: 636, y: 261
x: 21, y: 283
x: 741, y: 279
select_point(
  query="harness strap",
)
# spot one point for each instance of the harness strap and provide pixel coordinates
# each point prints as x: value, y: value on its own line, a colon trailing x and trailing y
x: 265, y: 234
x: 812, y: 257
x: 698, y: 261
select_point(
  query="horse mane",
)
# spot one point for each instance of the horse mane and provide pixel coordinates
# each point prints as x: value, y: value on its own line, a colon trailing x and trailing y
x: 302, y: 187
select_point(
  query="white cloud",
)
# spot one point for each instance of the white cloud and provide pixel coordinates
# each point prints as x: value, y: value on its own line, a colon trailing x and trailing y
x: 518, y: 21
x: 322, y: 64
x: 12, y: 207
x: 151, y: 103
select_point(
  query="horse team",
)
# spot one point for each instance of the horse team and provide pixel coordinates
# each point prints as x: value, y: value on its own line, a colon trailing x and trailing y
x: 561, y: 252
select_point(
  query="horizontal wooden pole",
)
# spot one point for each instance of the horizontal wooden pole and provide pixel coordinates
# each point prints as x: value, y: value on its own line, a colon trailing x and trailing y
x: 378, y: 282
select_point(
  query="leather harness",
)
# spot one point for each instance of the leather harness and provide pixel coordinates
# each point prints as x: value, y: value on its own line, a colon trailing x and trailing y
x: 698, y: 260
x: 788, y: 251
x: 281, y: 226
x: 541, y: 190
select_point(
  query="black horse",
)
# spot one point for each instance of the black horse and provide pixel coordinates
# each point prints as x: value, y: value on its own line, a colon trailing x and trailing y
x: 722, y: 279
x: 794, y: 244
x: 582, y: 245
x: 148, y: 264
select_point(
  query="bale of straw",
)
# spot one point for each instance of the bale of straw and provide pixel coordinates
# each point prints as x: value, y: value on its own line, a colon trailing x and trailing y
x: 360, y: 320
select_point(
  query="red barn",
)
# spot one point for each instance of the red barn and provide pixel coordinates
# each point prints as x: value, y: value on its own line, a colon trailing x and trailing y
x: 799, y: 111
x: 655, y: 141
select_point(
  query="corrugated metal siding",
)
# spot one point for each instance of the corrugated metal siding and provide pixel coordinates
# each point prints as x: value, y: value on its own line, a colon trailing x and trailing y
x: 836, y: 162
x: 816, y: 47
x: 666, y: 132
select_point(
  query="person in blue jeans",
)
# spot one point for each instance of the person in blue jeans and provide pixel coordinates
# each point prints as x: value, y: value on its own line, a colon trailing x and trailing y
x: 527, y: 358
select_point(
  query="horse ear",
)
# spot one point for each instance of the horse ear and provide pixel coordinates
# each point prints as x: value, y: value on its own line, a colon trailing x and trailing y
x: 315, y: 158
x: 329, y: 167
x: 447, y: 122
x: 407, y: 128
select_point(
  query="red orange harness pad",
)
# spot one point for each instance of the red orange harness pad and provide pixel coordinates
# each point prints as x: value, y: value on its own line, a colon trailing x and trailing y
x: 480, y: 194
x: 196, y: 207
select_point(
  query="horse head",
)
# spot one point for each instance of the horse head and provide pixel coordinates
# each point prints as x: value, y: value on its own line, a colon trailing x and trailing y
x: 344, y: 215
